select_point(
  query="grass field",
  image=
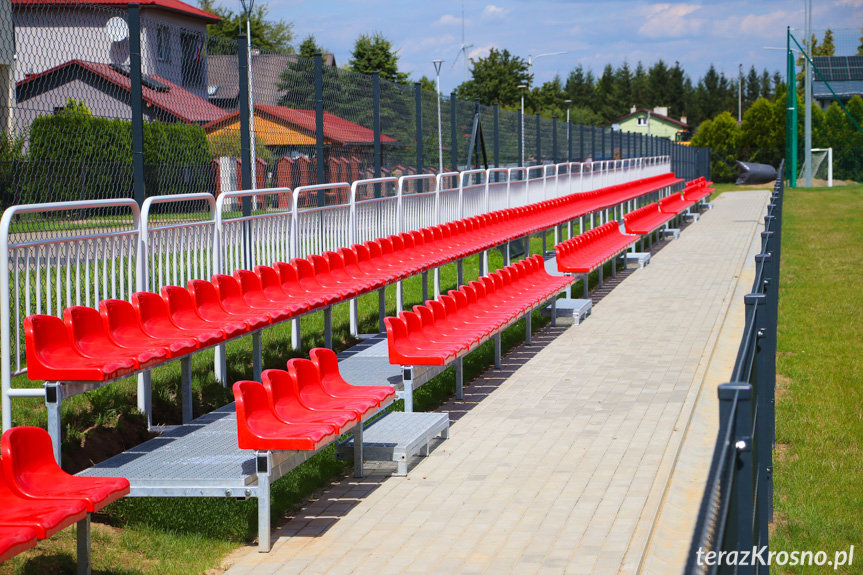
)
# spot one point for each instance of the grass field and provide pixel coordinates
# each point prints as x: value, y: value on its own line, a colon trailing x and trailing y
x: 190, y: 536
x: 819, y: 461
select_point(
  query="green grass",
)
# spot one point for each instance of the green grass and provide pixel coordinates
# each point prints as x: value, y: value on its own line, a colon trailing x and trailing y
x: 818, y: 494
x: 191, y: 535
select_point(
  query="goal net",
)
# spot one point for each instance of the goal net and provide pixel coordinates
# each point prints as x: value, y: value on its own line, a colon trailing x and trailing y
x: 822, y: 167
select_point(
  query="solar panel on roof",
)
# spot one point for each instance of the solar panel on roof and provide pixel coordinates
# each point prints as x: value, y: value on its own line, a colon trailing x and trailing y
x: 839, y: 68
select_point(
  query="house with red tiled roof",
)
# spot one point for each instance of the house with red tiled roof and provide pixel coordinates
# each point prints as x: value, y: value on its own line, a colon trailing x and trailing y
x: 106, y: 88
x: 287, y: 131
x: 655, y: 122
x: 51, y: 33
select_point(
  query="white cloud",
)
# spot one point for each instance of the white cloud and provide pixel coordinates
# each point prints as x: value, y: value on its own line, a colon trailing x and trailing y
x: 851, y: 3
x: 480, y: 51
x: 754, y: 25
x: 492, y: 12
x: 450, y: 20
x: 670, y: 21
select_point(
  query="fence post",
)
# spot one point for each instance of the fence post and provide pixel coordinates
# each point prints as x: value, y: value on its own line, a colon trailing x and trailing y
x: 592, y: 146
x: 418, y: 104
x: 137, y: 96
x: 554, y: 139
x: 376, y: 126
x: 319, y: 126
x: 452, y: 121
x: 580, y: 142
x: 245, y: 139
x: 520, y: 139
x: 496, y: 137
x: 538, y: 141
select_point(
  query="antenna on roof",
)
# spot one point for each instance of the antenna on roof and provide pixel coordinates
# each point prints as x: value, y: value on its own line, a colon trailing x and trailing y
x: 117, y: 29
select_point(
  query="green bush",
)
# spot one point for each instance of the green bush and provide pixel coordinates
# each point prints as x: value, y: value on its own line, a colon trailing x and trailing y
x: 74, y: 155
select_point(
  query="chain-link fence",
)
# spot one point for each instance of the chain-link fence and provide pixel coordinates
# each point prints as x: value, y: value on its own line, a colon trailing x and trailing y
x: 110, y: 103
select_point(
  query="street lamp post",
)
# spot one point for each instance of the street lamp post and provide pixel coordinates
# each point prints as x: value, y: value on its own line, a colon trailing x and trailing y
x: 437, y: 65
x: 532, y: 59
x: 522, y: 88
x: 568, y: 132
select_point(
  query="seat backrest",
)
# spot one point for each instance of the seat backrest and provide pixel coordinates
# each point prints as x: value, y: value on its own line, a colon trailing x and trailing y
x: 44, y: 332
x: 268, y: 277
x: 304, y: 268
x: 252, y: 406
x: 396, y: 329
x: 150, y: 306
x: 203, y: 293
x: 304, y: 372
x: 249, y: 281
x: 84, y: 324
x: 27, y: 450
x: 320, y: 264
x: 334, y: 260
x: 425, y: 314
x: 287, y: 276
x: 178, y: 299
x: 227, y: 287
x: 117, y: 314
x: 326, y: 362
x: 278, y: 385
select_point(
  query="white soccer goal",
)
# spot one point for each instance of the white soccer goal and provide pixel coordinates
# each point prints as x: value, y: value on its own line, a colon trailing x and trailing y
x: 822, y: 166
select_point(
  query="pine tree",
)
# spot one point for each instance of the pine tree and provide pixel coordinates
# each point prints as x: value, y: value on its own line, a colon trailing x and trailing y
x: 309, y: 47
x: 374, y: 53
x: 640, y: 88
x: 579, y: 87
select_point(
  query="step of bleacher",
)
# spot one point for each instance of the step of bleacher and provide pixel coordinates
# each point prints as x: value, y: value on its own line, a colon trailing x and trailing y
x: 397, y: 436
x: 637, y: 259
x: 570, y: 311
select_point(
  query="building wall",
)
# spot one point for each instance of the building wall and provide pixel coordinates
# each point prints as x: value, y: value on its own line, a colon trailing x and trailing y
x: 657, y: 127
x: 272, y: 133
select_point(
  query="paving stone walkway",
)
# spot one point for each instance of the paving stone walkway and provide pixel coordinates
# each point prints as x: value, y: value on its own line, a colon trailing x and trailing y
x: 561, y: 461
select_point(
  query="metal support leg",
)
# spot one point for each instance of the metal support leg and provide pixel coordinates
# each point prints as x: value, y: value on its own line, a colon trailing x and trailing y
x: 85, y: 561
x: 528, y: 328
x: 296, y: 336
x: 264, y: 463
x: 557, y: 231
x: 408, y: 385
x: 328, y: 327
x: 145, y: 394
x: 570, y: 229
x: 425, y: 280
x: 483, y: 270
x: 581, y: 225
x: 358, y: 450
x: 459, y: 266
x: 355, y: 316
x: 614, y: 267
x: 257, y: 355
x: 436, y: 283
x: 220, y: 366
x: 600, y: 270
x: 459, y: 379
x: 554, y: 310
x: 186, y: 384
x: 584, y: 284
x: 497, y: 351
x: 506, y: 254
x: 544, y: 241
x: 400, y: 296
x: 382, y: 309
x: 53, y: 399
x: 527, y: 246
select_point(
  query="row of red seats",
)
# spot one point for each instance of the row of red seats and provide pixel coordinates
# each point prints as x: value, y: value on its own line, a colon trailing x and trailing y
x: 650, y: 217
x: 38, y: 498
x: 149, y: 330
x: 591, y: 249
x: 698, y: 189
x: 454, y: 324
x: 304, y: 408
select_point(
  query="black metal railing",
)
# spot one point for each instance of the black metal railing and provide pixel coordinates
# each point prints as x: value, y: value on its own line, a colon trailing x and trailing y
x: 731, y: 534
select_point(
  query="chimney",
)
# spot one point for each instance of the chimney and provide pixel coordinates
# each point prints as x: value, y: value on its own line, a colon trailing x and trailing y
x: 683, y: 119
x: 632, y: 111
x: 661, y: 110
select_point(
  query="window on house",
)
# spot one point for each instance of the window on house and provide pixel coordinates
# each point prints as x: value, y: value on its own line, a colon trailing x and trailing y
x: 641, y: 122
x: 163, y: 44
x: 193, y: 60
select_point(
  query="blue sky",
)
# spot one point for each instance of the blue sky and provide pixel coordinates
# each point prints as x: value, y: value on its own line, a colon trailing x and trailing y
x: 594, y: 33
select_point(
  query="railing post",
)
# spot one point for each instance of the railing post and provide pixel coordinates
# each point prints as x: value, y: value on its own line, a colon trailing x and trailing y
x: 520, y: 139
x: 453, y: 130
x: 496, y: 137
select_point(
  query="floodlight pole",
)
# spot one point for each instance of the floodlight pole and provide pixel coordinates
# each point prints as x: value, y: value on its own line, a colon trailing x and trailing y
x: 532, y: 59
x: 437, y: 65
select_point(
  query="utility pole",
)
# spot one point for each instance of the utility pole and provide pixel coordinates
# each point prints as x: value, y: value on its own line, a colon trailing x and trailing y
x: 739, y: 94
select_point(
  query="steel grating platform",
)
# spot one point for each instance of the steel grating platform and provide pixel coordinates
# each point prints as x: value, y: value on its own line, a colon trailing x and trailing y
x: 367, y: 363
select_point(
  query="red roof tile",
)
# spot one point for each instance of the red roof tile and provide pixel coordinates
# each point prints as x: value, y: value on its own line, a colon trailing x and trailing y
x: 175, y: 6
x: 336, y: 129
x: 176, y: 101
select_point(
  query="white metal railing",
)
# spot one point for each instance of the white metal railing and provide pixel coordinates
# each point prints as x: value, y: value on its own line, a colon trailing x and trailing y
x: 112, y: 248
